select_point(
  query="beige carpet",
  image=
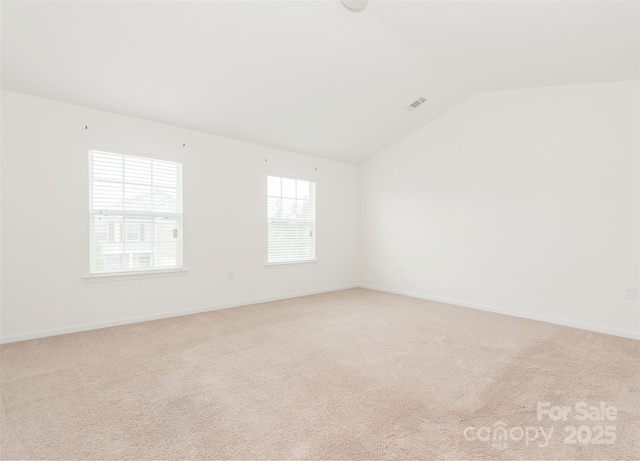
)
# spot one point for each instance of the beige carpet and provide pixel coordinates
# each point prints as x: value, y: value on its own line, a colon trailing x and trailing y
x: 355, y: 374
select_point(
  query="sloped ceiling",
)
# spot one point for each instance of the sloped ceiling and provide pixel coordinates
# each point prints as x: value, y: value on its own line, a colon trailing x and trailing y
x: 307, y: 76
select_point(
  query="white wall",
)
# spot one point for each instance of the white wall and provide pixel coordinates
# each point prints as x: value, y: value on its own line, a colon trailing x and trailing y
x: 45, y: 221
x: 522, y: 201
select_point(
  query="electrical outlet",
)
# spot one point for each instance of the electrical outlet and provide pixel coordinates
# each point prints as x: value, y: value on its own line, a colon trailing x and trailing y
x: 399, y: 268
x: 229, y: 275
x: 630, y: 293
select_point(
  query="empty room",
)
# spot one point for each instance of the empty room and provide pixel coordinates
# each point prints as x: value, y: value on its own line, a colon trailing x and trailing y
x: 320, y: 230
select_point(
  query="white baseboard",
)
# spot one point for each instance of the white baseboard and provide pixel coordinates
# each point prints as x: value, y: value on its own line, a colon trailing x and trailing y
x: 161, y: 315
x: 500, y: 310
x: 197, y: 310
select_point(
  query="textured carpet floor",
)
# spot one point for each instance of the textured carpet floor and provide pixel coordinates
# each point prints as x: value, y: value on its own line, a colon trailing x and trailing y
x: 354, y: 374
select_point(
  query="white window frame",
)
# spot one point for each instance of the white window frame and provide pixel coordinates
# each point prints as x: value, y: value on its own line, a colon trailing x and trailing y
x: 309, y: 221
x: 121, y: 237
x: 136, y: 231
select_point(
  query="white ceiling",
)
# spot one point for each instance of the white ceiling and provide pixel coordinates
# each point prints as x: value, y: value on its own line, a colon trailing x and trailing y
x: 308, y: 76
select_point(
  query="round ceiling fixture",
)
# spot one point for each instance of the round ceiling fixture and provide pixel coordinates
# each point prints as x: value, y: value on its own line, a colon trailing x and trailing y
x: 355, y: 5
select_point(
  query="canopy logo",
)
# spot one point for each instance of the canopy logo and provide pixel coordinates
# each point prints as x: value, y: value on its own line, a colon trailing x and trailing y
x: 500, y: 435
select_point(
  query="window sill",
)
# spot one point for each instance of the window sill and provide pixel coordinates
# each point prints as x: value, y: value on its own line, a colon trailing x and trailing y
x: 115, y: 276
x: 310, y: 262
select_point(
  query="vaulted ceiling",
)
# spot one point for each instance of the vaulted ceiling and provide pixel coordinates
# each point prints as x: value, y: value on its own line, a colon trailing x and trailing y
x: 308, y: 76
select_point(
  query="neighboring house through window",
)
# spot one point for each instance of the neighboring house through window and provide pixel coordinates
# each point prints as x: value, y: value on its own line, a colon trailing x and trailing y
x: 291, y: 220
x: 135, y: 213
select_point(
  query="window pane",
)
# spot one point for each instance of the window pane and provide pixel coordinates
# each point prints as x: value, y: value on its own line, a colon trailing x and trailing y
x: 137, y: 170
x: 165, y: 174
x: 289, y: 208
x: 291, y: 241
x: 302, y: 190
x: 114, y: 262
x: 142, y: 260
x: 288, y: 188
x: 107, y: 196
x: 136, y: 213
x: 291, y: 224
x: 133, y: 232
x: 164, y: 200
x: 273, y: 187
x: 274, y: 207
x: 137, y: 197
x: 107, y: 166
x: 304, y: 209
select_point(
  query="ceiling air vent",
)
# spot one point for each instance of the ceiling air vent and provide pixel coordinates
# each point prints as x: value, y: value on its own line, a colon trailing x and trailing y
x: 417, y: 102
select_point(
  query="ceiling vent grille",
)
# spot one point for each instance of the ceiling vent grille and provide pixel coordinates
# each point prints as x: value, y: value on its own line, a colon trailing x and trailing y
x: 417, y: 102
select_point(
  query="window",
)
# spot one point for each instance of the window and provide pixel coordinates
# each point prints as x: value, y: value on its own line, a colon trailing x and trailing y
x: 135, y: 214
x: 291, y: 219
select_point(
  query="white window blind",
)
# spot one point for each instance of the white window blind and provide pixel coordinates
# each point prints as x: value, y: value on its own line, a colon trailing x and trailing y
x: 291, y: 206
x: 135, y: 214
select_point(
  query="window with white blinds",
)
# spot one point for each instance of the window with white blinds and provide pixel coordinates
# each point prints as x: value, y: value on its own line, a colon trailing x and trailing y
x: 135, y: 214
x: 291, y: 205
